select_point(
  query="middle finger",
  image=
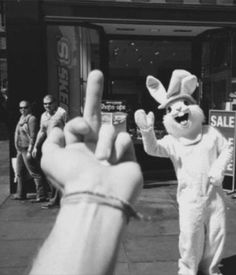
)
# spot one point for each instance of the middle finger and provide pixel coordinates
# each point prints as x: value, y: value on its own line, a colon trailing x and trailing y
x: 92, y: 108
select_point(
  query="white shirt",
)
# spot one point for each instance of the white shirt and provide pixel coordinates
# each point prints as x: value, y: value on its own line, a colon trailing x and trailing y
x: 47, y: 121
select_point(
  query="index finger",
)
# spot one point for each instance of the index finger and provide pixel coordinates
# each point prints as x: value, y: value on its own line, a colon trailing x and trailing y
x: 92, y: 108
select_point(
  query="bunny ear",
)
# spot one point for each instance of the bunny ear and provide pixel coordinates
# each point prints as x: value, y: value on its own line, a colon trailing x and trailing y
x: 175, y: 82
x: 189, y: 84
x: 156, y: 89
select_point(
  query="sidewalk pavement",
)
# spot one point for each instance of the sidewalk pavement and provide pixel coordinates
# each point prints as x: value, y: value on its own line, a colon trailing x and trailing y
x: 148, y: 248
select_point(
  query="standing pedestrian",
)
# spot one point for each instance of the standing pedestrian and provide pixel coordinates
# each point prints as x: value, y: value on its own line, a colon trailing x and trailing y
x: 54, y: 116
x: 25, y: 134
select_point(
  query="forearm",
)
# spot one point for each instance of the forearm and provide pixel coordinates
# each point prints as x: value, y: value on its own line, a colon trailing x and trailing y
x: 32, y: 132
x: 16, y: 137
x: 224, y: 158
x: 15, y: 141
x: 40, y: 138
x: 84, y: 241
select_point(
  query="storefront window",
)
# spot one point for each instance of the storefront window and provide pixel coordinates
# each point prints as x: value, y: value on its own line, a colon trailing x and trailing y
x: 131, y: 61
x: 217, y: 71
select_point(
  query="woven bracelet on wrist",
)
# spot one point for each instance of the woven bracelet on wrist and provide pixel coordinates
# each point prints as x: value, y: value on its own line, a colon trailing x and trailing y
x: 102, y: 199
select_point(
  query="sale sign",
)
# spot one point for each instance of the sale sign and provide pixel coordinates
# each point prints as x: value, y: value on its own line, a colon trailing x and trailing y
x: 224, y: 121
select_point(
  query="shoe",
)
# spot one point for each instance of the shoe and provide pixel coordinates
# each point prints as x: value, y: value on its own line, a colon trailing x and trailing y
x: 18, y: 198
x: 50, y: 206
x: 38, y: 200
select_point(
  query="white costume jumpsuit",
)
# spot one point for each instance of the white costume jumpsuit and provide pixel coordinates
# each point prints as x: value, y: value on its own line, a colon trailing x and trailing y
x: 201, y: 205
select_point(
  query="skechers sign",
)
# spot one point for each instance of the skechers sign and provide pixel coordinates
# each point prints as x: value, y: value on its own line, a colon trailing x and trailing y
x: 63, y: 71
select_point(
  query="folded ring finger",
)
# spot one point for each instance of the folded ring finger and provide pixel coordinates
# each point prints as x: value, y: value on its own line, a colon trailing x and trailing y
x: 105, y: 142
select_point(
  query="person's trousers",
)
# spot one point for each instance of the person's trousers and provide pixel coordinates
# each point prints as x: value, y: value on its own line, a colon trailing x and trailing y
x: 202, y: 235
x: 55, y: 195
x: 26, y: 164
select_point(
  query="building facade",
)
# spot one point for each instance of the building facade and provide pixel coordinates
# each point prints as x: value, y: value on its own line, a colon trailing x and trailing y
x: 53, y: 44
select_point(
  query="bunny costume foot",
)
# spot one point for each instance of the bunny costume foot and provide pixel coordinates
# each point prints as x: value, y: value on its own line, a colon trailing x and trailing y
x: 200, y: 155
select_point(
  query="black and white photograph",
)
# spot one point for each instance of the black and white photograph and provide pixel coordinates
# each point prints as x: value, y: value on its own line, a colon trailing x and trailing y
x: 117, y: 137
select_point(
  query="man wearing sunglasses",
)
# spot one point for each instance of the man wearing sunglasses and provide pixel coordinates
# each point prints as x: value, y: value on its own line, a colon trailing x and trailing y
x: 25, y: 134
x: 54, y: 116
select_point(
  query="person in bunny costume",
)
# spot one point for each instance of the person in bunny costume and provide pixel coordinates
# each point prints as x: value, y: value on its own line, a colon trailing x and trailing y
x: 200, y: 154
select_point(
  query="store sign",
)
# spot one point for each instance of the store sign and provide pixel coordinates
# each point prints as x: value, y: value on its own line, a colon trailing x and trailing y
x: 113, y: 106
x: 114, y: 113
x: 63, y: 71
x: 224, y: 121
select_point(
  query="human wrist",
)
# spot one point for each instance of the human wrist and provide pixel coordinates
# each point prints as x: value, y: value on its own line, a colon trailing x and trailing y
x: 90, y: 211
x: 146, y: 130
x: 101, y: 199
x: 102, y: 187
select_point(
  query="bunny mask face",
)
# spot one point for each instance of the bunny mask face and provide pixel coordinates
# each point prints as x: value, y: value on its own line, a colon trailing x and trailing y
x: 184, y: 118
